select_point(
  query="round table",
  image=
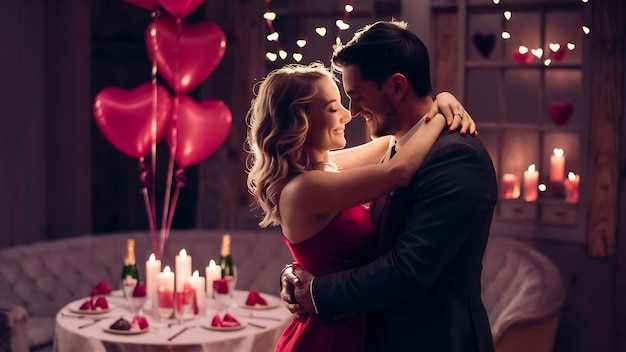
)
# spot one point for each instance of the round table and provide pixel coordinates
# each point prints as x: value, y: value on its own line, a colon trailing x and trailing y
x: 262, y: 330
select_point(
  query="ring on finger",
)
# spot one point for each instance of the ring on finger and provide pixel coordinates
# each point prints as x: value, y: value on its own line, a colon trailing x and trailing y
x: 458, y: 113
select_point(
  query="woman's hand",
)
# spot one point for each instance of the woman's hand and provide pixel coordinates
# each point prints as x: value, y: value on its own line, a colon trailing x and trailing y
x: 455, y: 114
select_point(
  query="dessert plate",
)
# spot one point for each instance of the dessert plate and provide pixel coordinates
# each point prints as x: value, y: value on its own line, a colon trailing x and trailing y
x: 225, y: 328
x: 75, y: 308
x: 126, y: 332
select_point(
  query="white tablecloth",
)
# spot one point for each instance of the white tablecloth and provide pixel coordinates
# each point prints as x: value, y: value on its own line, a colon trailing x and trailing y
x: 70, y: 338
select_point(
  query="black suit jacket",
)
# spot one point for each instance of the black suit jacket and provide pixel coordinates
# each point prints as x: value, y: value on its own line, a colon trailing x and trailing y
x: 423, y: 290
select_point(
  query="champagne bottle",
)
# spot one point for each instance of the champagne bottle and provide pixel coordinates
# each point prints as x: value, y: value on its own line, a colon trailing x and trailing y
x: 130, y: 274
x: 227, y: 264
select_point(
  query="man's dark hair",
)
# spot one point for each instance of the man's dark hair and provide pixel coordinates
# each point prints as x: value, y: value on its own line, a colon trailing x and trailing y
x: 383, y: 48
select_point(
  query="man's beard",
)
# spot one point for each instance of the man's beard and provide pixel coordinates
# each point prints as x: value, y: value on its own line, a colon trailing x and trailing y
x: 390, y: 124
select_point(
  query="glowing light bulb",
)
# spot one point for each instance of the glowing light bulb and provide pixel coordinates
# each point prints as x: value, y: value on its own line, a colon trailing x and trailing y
x: 496, y: 2
x: 270, y: 16
x: 301, y: 42
x: 348, y: 8
x: 272, y: 36
x: 282, y: 54
x: 506, y: 35
x: 271, y: 56
x: 321, y: 31
x: 554, y: 47
x: 297, y: 57
x: 522, y: 49
x: 571, y: 46
x: 586, y: 30
x: 537, y: 52
x: 342, y: 25
x: 547, y: 62
x: 507, y: 15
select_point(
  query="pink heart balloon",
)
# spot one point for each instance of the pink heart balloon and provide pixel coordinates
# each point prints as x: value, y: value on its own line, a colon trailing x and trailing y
x: 180, y: 8
x: 200, y: 129
x: 146, y: 4
x: 125, y: 117
x: 184, y: 61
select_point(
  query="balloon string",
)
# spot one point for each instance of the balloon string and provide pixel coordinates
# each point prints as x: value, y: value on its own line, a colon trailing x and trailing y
x: 180, y: 182
x: 145, y: 178
x: 174, y: 141
x: 152, y: 200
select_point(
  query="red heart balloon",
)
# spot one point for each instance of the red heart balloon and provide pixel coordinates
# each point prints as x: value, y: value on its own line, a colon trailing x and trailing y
x: 195, y: 52
x: 200, y: 129
x: 525, y: 58
x: 561, y: 112
x: 146, y: 4
x: 180, y: 8
x: 125, y: 117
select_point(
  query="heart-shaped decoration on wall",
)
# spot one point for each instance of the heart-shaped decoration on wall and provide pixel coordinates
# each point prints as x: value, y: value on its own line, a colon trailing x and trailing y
x: 522, y: 58
x: 484, y: 43
x: 561, y: 112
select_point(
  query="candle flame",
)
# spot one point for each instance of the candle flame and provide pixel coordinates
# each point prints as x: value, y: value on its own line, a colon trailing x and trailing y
x: 182, y: 253
x: 531, y: 168
x: 212, y: 262
x: 196, y: 274
x: 167, y: 269
x: 152, y: 257
x: 558, y: 152
x: 542, y: 187
x: 571, y: 176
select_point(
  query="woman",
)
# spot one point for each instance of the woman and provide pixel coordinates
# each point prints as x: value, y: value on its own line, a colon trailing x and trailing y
x: 295, y: 121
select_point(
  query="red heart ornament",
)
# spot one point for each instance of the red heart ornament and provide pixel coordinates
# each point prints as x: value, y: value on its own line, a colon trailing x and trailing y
x: 200, y: 129
x: 561, y: 112
x: 558, y: 54
x: 525, y: 58
x: 180, y: 8
x: 125, y: 117
x: 184, y: 60
x: 484, y: 43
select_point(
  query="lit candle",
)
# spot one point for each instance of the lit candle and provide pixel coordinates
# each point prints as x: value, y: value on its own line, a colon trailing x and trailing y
x: 557, y: 166
x: 183, y: 269
x: 571, y: 187
x: 531, y: 181
x: 510, y: 186
x: 166, y: 280
x: 153, y: 268
x: 212, y: 273
x: 198, y: 283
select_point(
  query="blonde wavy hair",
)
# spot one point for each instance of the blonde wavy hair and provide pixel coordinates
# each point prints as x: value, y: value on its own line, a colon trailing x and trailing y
x: 277, y: 129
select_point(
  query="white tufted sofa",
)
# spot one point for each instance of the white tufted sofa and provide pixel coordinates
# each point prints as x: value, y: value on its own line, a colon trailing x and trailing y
x: 522, y: 289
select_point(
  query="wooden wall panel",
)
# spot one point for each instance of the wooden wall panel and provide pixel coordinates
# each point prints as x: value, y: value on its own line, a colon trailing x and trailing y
x: 607, y: 109
x: 445, y: 55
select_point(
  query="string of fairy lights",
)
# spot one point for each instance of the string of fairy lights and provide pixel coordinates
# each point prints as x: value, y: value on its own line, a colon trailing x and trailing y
x: 273, y: 35
x: 557, y: 50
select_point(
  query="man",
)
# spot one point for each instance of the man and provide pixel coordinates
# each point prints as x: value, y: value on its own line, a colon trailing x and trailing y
x: 422, y: 292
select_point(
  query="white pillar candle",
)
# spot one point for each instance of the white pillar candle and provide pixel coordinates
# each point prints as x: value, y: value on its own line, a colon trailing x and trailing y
x: 509, y: 186
x: 198, y: 283
x: 571, y: 187
x: 153, y: 268
x: 212, y: 273
x: 183, y: 269
x: 166, y: 280
x: 557, y: 166
x: 531, y: 181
